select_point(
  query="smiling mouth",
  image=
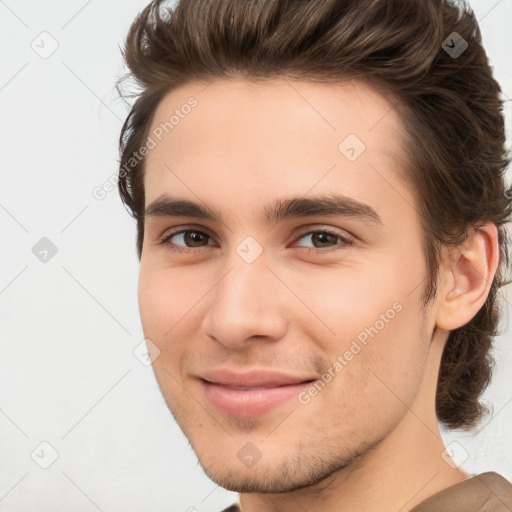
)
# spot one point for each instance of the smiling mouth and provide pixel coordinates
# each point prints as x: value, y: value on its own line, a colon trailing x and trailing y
x: 247, y: 401
x: 255, y: 388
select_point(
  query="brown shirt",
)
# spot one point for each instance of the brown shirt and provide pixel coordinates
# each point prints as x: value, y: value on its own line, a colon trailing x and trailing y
x: 488, y: 492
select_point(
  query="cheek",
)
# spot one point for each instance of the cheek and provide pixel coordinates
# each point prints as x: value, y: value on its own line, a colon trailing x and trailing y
x: 376, y: 381
x: 356, y: 301
x: 371, y: 323
x: 394, y: 359
x: 168, y: 301
x: 164, y: 300
x: 162, y: 304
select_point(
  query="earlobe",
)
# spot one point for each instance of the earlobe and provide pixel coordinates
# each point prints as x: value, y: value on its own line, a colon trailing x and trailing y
x: 468, y: 277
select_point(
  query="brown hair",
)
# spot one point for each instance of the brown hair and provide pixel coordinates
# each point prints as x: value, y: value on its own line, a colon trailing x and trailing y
x: 450, y: 105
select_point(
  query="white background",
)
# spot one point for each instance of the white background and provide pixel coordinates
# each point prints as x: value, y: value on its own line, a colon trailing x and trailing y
x: 69, y: 326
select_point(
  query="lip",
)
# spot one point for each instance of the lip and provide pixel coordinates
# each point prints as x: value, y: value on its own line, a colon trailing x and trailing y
x: 263, y: 391
x: 255, y: 378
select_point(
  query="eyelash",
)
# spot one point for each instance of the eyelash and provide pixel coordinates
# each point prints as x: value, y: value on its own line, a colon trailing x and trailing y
x: 344, y: 241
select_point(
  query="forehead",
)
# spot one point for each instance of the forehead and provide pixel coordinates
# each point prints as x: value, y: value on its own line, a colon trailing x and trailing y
x: 275, y: 104
x: 229, y: 136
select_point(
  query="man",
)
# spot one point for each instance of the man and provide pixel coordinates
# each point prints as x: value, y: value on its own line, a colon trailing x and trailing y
x: 320, y: 203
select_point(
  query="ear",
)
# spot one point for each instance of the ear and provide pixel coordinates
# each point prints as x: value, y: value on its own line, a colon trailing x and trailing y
x: 467, y: 276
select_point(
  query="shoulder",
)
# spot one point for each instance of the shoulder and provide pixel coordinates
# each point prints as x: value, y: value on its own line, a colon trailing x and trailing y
x: 488, y: 492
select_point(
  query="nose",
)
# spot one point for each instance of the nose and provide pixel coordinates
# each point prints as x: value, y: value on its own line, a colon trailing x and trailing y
x: 248, y: 302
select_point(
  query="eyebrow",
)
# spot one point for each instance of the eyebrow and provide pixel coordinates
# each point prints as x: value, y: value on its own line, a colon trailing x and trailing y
x: 295, y: 207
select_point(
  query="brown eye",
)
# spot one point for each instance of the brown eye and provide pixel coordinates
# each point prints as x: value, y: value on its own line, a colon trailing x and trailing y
x: 322, y: 237
x: 186, y: 238
x: 194, y: 237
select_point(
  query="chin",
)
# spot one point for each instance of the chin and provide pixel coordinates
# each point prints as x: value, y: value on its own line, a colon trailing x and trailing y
x: 271, y: 476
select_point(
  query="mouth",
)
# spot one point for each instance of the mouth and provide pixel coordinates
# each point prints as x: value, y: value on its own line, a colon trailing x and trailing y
x: 245, y: 388
x: 250, y: 401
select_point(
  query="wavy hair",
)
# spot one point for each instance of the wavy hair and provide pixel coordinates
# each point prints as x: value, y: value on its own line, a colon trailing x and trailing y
x: 454, y: 157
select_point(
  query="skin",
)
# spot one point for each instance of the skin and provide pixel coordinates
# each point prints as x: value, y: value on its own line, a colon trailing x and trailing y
x: 369, y: 440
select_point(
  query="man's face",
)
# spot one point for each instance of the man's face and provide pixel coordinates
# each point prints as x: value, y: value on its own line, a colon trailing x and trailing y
x: 248, y: 294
